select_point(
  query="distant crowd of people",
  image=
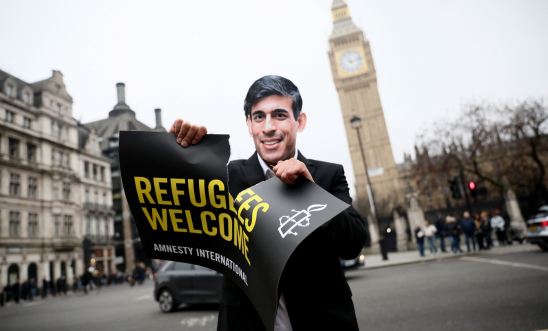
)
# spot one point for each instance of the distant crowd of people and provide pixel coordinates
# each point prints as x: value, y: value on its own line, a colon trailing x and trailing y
x: 478, y: 229
x: 28, y: 290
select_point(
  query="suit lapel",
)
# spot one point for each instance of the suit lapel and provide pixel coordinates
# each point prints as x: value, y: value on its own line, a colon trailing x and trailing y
x: 307, y: 162
x: 252, y: 170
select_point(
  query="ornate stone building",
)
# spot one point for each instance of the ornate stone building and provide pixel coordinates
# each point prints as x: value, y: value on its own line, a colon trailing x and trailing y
x: 355, y: 78
x: 52, y: 178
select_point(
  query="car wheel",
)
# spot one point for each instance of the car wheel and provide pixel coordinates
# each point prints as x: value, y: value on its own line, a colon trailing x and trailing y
x: 166, y: 300
x: 543, y: 246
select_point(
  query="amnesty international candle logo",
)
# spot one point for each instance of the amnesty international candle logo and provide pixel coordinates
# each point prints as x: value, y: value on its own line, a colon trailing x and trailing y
x: 179, y: 199
x: 292, y: 221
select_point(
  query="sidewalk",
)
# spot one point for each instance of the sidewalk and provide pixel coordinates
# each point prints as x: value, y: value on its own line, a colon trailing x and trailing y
x: 374, y: 261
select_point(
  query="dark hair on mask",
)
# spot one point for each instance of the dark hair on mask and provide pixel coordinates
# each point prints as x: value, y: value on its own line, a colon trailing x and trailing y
x: 273, y: 85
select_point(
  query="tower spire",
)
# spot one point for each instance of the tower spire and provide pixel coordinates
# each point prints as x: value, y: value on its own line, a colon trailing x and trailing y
x: 342, y: 21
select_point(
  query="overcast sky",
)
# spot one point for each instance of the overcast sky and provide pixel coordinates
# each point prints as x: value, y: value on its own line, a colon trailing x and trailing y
x: 196, y: 59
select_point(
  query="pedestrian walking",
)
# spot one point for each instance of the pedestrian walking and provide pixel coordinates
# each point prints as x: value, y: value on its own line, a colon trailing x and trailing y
x: 44, y: 287
x: 453, y: 230
x: 497, y: 223
x: 33, y: 288
x: 25, y: 289
x: 430, y: 234
x: 440, y: 227
x: 7, y: 292
x: 51, y: 286
x: 419, y: 234
x: 469, y: 229
x: 487, y: 229
x: 479, y: 232
x: 16, y: 291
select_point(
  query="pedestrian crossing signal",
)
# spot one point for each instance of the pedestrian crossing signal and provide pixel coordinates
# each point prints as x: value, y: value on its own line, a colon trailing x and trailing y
x: 455, y: 188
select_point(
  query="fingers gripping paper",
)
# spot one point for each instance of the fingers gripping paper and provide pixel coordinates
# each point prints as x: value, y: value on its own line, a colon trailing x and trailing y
x: 180, y: 203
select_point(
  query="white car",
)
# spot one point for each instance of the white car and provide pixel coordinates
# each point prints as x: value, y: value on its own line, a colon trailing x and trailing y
x: 537, y: 228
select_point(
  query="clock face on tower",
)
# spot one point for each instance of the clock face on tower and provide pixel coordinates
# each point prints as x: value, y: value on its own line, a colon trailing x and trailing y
x: 351, y: 61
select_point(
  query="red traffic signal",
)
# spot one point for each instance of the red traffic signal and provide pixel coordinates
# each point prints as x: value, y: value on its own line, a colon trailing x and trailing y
x: 472, y: 185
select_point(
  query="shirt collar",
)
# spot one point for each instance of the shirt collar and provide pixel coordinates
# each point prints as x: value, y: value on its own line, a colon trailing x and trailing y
x: 265, y: 167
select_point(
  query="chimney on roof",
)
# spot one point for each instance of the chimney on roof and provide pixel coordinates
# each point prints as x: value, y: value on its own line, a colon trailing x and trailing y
x: 158, y: 112
x: 121, y: 91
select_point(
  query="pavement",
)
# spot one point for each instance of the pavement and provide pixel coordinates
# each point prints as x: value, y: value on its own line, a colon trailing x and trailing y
x: 375, y: 261
x: 502, y: 289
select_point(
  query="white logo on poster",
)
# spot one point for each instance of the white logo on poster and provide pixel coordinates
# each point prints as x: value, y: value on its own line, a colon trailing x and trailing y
x: 303, y: 222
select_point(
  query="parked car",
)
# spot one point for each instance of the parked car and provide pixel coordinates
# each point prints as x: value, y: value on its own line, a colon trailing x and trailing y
x: 537, y: 228
x: 181, y: 283
x: 356, y: 263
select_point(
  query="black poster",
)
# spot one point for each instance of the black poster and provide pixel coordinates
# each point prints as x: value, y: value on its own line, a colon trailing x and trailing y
x: 180, y: 203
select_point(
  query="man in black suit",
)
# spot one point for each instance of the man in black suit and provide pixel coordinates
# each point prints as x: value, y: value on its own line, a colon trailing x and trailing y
x: 314, y: 294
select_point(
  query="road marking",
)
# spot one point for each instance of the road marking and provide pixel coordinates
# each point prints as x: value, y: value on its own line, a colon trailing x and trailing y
x: 197, y: 321
x: 143, y: 297
x: 510, y: 264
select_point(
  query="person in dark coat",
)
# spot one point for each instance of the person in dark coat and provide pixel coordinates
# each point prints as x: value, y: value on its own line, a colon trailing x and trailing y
x: 469, y: 228
x: 7, y: 292
x: 324, y: 301
x: 453, y: 229
x: 25, y: 290
x: 487, y: 230
x: 52, y: 287
x: 440, y: 226
x: 16, y: 291
x: 419, y: 235
x: 45, y: 286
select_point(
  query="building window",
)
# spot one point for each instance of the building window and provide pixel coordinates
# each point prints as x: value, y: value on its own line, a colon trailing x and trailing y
x: 86, y: 196
x: 26, y: 98
x: 95, y: 172
x: 67, y: 228
x: 13, y: 145
x: 15, y: 224
x: 31, y: 152
x: 86, y: 169
x: 27, y: 122
x: 87, y: 226
x: 9, y: 90
x: 115, y: 174
x: 59, y: 131
x: 98, y: 228
x: 105, y: 200
x: 15, y: 185
x: 96, y: 198
x: 57, y: 88
x: 33, y: 187
x: 66, y: 191
x: 32, y: 228
x: 57, y: 219
x: 10, y: 116
x: 102, y: 174
x: 58, y: 108
x: 106, y: 229
x: 60, y: 159
x: 55, y: 193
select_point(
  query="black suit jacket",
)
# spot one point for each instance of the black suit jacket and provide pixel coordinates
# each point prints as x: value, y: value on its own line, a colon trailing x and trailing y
x: 315, y: 290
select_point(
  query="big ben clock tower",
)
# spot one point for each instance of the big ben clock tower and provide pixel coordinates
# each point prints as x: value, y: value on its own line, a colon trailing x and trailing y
x: 355, y: 78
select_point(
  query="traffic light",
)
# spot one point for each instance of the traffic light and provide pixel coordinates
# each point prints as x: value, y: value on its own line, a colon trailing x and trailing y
x: 473, y: 191
x: 455, y: 189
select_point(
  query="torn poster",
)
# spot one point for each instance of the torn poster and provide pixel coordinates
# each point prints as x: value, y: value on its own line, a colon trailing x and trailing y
x: 180, y: 203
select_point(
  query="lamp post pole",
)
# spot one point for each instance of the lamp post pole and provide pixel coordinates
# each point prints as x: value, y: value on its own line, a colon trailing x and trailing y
x: 356, y: 123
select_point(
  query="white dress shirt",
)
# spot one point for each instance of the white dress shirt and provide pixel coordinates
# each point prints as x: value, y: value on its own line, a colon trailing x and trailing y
x: 282, y: 317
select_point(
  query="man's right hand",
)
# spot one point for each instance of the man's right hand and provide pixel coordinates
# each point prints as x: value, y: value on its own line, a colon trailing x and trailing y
x: 187, y: 133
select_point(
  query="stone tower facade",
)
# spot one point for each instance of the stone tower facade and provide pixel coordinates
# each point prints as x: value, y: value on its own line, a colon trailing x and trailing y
x: 355, y: 78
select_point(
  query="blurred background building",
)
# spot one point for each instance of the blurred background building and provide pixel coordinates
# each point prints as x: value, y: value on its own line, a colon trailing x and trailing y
x: 122, y: 117
x: 55, y: 186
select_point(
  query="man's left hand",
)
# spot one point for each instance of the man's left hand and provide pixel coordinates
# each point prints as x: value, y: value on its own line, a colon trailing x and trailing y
x: 289, y: 170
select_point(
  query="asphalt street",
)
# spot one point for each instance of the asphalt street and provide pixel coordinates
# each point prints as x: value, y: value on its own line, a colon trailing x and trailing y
x: 495, y: 292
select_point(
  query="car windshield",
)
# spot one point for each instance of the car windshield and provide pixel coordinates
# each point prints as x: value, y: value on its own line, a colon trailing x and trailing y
x: 539, y: 214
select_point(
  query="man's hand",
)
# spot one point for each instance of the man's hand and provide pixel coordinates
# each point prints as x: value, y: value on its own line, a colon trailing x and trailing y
x: 289, y: 170
x: 187, y: 133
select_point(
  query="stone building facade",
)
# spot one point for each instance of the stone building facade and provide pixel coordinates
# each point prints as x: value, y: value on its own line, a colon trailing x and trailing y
x: 43, y: 183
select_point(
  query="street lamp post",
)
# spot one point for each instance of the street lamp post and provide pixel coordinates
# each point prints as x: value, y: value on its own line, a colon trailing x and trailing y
x: 356, y: 123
